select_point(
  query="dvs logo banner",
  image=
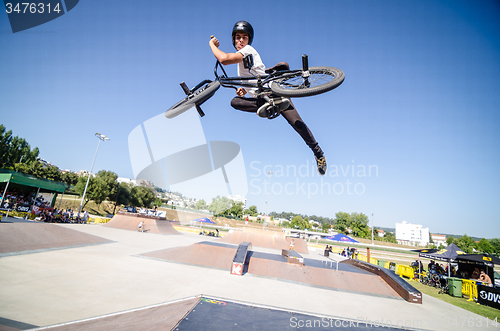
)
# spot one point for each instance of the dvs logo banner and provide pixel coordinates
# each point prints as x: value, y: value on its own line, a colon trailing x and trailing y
x: 174, y: 154
x: 25, y: 15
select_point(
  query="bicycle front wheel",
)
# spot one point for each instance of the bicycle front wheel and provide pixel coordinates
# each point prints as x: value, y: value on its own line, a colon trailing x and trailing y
x: 199, y: 96
x: 320, y: 80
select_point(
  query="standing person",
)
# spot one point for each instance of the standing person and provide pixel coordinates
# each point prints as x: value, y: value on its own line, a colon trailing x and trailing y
x: 85, y: 217
x: 242, y: 37
x: 141, y: 226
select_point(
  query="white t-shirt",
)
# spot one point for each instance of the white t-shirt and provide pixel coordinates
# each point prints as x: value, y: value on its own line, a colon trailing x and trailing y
x: 258, y: 68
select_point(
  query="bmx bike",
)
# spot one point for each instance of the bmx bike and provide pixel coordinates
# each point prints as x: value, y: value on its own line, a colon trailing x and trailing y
x: 279, y: 80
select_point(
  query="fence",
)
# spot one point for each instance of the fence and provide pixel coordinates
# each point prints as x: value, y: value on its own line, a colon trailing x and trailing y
x: 469, y: 288
x: 17, y: 214
x: 98, y: 220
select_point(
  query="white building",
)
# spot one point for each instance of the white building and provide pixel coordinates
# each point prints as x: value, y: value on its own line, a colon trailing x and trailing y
x: 412, y: 234
x: 439, y: 239
x: 126, y: 180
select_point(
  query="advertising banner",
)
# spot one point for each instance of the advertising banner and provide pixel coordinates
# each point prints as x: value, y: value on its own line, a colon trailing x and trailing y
x: 23, y: 208
x: 488, y: 296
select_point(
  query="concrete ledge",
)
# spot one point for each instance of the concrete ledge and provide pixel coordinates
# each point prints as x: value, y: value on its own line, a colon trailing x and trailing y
x: 405, y: 290
x: 292, y: 257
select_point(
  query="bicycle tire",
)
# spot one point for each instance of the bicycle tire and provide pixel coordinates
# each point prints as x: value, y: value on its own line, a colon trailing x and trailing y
x: 320, y: 80
x: 199, y: 96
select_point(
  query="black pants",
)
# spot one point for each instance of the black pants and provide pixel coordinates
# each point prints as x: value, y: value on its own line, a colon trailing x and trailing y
x: 290, y: 114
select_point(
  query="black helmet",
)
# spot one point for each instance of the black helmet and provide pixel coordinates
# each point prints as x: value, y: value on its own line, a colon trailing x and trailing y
x: 243, y: 26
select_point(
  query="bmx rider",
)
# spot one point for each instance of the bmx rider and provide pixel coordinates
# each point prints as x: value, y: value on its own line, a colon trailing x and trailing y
x: 242, y: 37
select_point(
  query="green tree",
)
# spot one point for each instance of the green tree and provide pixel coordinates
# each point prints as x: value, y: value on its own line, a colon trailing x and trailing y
x: 390, y: 237
x: 95, y: 190
x: 466, y: 244
x: 495, y: 243
x: 69, y: 178
x: 252, y: 211
x: 297, y: 222
x: 51, y: 172
x: 35, y: 168
x: 109, y: 180
x: 359, y: 225
x: 300, y: 223
x: 121, y: 196
x: 201, y: 205
x: 219, y: 205
x: 236, y: 209
x: 141, y: 196
x: 158, y: 202
x: 485, y: 246
x: 342, y: 221
x: 325, y: 227
x: 14, y: 149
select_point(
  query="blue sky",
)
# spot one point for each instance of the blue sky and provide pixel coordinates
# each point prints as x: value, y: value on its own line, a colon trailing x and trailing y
x: 419, y: 106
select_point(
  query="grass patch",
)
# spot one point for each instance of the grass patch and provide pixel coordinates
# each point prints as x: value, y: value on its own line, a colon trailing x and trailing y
x: 471, y: 306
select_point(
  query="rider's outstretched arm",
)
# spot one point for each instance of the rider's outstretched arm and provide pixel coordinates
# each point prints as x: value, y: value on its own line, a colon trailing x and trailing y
x: 223, y: 57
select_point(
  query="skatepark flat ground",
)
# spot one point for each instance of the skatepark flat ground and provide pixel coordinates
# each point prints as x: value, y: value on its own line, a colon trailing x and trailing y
x: 50, y: 287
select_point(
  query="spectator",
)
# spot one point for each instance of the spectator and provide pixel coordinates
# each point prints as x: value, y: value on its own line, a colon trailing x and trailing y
x: 475, y: 274
x: 431, y: 267
x: 327, y: 251
x: 85, y: 217
x: 439, y: 269
x: 485, y: 278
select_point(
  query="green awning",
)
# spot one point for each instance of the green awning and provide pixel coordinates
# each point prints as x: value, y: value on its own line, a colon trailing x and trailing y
x: 26, y: 180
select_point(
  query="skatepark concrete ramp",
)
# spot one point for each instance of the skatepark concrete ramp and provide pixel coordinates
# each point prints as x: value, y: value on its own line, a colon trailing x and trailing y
x: 214, y: 254
x: 131, y: 221
x: 265, y: 239
x: 31, y: 237
x: 212, y: 313
x: 405, y: 290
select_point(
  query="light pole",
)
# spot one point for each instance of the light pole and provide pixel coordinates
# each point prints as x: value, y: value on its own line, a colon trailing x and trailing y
x: 372, y: 229
x: 101, y: 137
x: 270, y: 173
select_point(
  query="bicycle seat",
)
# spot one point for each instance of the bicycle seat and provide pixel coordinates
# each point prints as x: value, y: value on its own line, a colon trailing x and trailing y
x: 282, y: 66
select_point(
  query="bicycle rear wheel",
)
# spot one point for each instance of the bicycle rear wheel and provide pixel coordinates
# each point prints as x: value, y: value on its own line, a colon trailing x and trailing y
x: 320, y: 80
x: 199, y: 96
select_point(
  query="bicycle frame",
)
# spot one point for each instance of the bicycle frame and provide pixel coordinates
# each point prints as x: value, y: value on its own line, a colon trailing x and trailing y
x: 261, y: 82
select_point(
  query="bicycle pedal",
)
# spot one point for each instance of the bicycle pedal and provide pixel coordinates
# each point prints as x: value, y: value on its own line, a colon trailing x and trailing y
x: 262, y: 111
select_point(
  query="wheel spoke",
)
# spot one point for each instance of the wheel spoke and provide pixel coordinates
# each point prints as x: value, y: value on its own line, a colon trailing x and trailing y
x: 298, y: 82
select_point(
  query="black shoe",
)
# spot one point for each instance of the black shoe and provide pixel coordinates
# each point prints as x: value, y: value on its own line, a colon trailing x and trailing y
x: 273, y: 108
x: 321, y: 164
